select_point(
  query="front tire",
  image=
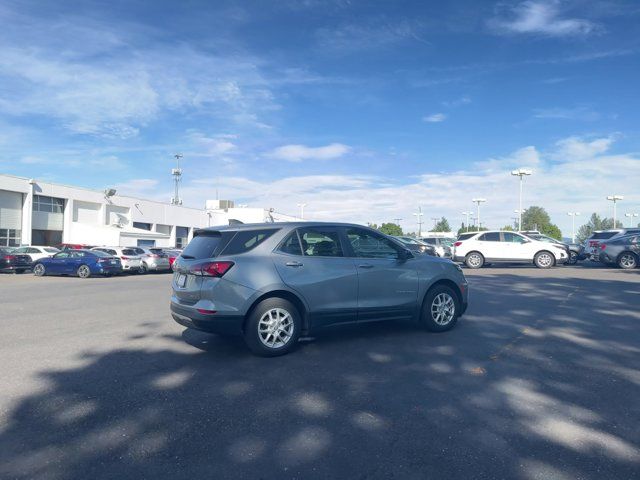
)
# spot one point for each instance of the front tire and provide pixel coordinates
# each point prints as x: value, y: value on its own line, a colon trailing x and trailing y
x: 474, y: 260
x: 39, y: 270
x: 544, y: 260
x: 273, y: 328
x: 573, y: 258
x: 83, y: 271
x: 143, y: 268
x: 440, y: 309
x: 627, y: 261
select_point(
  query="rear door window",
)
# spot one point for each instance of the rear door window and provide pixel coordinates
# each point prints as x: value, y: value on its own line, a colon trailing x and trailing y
x: 291, y: 245
x: 128, y: 251
x: 320, y: 242
x: 246, y: 240
x: 465, y: 236
x: 490, y: 237
x: 512, y: 238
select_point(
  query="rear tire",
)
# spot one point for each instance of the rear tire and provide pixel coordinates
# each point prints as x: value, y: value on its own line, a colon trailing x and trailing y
x: 143, y: 268
x: 273, y: 328
x: 627, y: 260
x: 440, y: 309
x: 544, y: 260
x: 474, y: 260
x: 573, y: 258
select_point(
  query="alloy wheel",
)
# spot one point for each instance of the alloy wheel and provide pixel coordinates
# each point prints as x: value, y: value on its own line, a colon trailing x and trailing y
x: 627, y: 261
x: 83, y: 271
x: 275, y: 328
x: 545, y: 260
x: 38, y: 270
x: 443, y: 309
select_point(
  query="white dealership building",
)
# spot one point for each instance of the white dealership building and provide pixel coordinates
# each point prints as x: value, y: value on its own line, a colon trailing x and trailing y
x: 34, y: 212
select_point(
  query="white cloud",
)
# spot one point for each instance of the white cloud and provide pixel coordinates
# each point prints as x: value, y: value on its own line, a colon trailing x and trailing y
x: 298, y: 153
x: 435, y: 118
x: 137, y: 187
x: 458, y: 102
x: 576, y: 148
x: 558, y: 113
x: 580, y: 183
x: 541, y: 18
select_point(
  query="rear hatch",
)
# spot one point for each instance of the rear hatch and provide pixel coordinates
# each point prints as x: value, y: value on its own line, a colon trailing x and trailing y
x: 593, y: 242
x: 196, y: 264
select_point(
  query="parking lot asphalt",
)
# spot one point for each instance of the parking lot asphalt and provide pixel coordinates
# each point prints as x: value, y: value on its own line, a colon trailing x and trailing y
x: 539, y: 380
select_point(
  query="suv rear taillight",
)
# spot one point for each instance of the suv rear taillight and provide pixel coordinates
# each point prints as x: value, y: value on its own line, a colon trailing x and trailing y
x: 603, y: 246
x: 211, y: 269
x: 457, y: 244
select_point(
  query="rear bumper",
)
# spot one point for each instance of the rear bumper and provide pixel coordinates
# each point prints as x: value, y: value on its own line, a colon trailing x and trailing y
x: 159, y: 267
x: 213, y: 323
x: 14, y: 267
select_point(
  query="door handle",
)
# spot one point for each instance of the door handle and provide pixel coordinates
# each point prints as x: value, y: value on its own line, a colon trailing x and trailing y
x: 365, y: 265
x: 293, y: 264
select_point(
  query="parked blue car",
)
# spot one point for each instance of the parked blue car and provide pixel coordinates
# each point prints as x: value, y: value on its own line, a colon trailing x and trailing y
x: 82, y: 263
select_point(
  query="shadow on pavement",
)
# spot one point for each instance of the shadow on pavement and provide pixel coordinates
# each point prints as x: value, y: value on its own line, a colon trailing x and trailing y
x: 541, y: 379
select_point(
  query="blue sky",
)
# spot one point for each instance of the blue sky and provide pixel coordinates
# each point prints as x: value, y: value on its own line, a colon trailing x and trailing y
x: 361, y: 109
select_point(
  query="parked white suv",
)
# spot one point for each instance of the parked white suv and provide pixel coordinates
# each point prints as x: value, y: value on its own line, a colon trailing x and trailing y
x: 131, y: 261
x: 480, y: 248
x: 36, y: 252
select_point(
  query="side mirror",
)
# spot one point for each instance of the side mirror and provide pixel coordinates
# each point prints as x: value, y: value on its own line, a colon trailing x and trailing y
x: 404, y: 255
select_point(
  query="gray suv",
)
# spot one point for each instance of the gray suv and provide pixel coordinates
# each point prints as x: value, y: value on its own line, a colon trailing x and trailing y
x: 273, y: 282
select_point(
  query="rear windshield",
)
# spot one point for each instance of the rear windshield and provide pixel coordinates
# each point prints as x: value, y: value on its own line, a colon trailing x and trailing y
x: 466, y: 236
x: 202, y: 246
x: 128, y: 251
x: 245, y: 240
x: 98, y: 253
x: 602, y: 235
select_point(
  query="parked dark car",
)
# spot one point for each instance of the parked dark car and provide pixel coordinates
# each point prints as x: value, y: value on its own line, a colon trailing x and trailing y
x: 10, y: 262
x: 82, y: 263
x: 417, y: 246
x: 273, y: 282
x: 621, y: 251
x: 592, y: 244
x: 574, y: 250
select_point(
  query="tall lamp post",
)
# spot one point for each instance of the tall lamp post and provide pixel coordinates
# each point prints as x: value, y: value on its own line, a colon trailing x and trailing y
x: 302, y: 205
x: 419, y: 216
x: 615, y: 199
x: 631, y: 216
x: 573, y: 216
x: 521, y: 172
x: 478, y: 201
x: 468, y: 214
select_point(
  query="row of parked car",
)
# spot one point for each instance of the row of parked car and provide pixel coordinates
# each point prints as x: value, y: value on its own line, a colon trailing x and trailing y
x: 87, y: 261
x: 477, y: 249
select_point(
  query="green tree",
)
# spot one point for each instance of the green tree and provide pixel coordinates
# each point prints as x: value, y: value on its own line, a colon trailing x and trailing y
x: 595, y: 223
x: 537, y: 218
x: 508, y: 228
x: 390, y: 229
x: 472, y: 228
x: 442, y: 226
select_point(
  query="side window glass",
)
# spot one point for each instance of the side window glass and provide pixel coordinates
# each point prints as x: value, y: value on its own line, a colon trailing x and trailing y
x: 490, y: 237
x: 245, y: 240
x: 512, y: 237
x: 62, y: 255
x: 369, y: 245
x: 320, y: 242
x: 291, y: 245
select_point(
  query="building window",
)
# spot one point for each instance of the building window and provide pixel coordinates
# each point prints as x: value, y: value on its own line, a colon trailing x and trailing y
x: 46, y: 237
x: 9, y: 237
x: 47, y: 204
x: 142, y: 226
x: 146, y: 243
x: 182, y: 237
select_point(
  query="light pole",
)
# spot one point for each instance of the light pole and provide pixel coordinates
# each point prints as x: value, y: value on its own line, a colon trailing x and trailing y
x: 630, y: 216
x: 521, y: 172
x: 435, y: 222
x: 468, y: 214
x: 573, y: 216
x: 615, y: 199
x: 397, y: 220
x: 478, y: 201
x: 419, y: 215
x: 302, y: 205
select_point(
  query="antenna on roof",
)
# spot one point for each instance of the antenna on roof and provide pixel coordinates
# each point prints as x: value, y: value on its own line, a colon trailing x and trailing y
x: 177, y: 177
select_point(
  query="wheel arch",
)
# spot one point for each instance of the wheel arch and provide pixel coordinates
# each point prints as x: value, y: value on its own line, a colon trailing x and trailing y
x: 446, y: 282
x: 637, y: 257
x: 287, y: 295
x: 553, y: 255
